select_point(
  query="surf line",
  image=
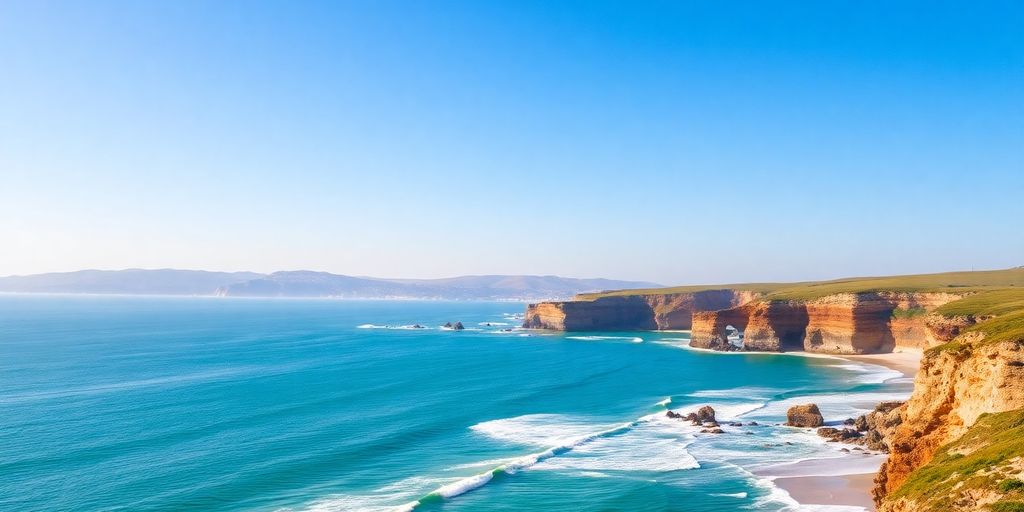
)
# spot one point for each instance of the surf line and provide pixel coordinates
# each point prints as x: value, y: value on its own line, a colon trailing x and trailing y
x: 470, y: 483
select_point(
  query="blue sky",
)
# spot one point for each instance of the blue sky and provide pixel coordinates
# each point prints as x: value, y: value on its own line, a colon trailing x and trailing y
x: 678, y: 142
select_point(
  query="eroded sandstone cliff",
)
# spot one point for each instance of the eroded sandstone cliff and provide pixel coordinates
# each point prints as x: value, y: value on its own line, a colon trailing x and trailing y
x: 847, y: 323
x: 956, y: 384
x: 632, y: 312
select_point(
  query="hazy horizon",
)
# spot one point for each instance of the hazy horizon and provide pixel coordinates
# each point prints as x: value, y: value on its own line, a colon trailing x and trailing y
x: 416, y: 278
x: 671, y: 143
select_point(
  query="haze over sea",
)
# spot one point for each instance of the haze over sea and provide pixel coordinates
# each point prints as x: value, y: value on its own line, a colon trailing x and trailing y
x: 143, y: 403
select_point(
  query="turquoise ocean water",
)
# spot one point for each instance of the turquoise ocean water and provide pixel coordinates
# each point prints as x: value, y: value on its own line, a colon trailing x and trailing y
x: 129, y: 403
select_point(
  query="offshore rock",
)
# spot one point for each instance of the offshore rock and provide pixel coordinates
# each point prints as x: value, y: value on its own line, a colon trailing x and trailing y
x: 703, y: 415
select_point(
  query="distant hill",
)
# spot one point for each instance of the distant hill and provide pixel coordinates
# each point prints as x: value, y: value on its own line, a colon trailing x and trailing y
x: 131, y: 281
x: 305, y: 283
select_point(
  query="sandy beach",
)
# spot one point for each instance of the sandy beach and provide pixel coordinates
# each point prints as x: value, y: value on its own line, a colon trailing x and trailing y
x: 906, y: 360
x: 849, y: 490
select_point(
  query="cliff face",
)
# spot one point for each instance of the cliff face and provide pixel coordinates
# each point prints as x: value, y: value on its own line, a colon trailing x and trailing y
x: 776, y: 326
x: 710, y: 328
x: 611, y: 313
x: 956, y: 384
x: 847, y: 323
x: 632, y: 312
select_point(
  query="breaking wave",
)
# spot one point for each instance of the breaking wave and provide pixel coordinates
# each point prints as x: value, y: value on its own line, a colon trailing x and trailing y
x: 634, y: 339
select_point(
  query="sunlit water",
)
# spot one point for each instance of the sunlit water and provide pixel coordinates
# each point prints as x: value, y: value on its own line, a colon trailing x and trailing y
x: 127, y: 403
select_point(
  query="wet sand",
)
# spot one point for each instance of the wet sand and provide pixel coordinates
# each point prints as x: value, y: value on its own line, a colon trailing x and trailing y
x: 906, y: 361
x: 849, y: 490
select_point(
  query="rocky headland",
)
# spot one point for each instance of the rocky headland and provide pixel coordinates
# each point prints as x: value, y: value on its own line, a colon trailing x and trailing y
x: 948, y: 444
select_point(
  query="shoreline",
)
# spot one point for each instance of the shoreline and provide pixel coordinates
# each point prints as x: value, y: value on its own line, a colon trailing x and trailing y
x: 853, y: 490
x: 906, y: 360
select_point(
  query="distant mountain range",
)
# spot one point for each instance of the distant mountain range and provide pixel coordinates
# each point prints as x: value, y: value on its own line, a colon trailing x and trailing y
x: 306, y: 283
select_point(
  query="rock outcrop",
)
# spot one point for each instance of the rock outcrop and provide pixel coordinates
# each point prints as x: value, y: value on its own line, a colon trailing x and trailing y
x: 704, y: 416
x: 836, y: 434
x: 806, y: 415
x: 632, y: 312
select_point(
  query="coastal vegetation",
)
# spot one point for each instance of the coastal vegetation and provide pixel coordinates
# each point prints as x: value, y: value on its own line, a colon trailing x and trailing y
x: 981, y: 468
x: 999, y: 314
x: 959, y: 282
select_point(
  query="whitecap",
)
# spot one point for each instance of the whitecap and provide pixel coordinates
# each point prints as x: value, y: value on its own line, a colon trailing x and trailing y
x: 739, y: 495
x: 634, y: 339
x: 538, y: 429
x: 411, y: 327
x: 742, y: 391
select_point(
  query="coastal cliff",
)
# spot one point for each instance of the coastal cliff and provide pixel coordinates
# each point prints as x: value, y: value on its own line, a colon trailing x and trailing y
x: 942, y: 455
x: 846, y: 323
x: 632, y: 312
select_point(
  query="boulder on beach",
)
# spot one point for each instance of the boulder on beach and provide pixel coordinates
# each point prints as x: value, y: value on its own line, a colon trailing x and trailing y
x: 806, y: 415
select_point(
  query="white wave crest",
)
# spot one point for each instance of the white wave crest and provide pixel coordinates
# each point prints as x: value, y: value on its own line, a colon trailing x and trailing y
x: 412, y: 327
x: 634, y: 339
x: 739, y: 495
x: 725, y: 412
x: 464, y: 485
x: 742, y: 391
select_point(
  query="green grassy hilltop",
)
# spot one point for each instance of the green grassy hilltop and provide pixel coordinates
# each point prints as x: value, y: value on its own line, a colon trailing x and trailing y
x: 946, y: 281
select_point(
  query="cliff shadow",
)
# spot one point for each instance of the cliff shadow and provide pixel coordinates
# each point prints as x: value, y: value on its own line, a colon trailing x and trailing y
x: 872, y: 326
x: 793, y: 329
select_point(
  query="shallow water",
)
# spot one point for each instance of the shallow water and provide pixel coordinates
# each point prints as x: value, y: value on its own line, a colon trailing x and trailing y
x: 129, y: 403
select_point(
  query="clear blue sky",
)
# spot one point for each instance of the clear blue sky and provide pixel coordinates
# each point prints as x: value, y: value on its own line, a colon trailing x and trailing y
x: 679, y: 142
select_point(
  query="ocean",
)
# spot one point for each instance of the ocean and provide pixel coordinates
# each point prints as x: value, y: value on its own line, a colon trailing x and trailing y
x: 217, y: 404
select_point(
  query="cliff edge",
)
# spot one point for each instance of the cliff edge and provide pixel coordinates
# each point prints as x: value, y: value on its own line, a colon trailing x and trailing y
x: 977, y: 373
